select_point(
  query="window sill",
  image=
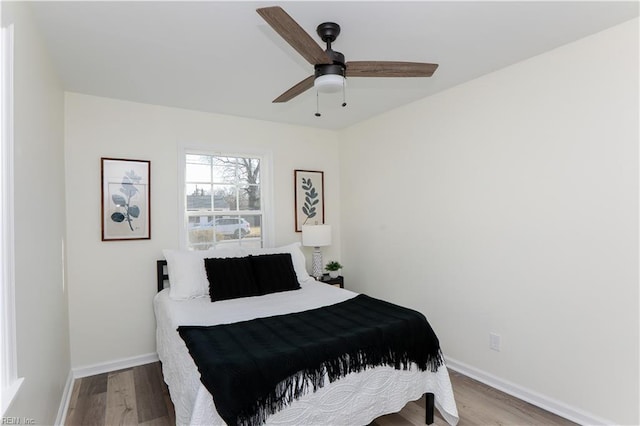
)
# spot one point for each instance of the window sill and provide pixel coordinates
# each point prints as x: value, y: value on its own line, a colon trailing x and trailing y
x: 8, y: 395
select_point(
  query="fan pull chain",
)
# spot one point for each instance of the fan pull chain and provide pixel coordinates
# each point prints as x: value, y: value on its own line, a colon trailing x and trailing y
x: 317, y: 105
x: 344, y: 99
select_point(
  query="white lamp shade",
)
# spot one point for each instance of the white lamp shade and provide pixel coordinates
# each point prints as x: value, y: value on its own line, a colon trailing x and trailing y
x: 329, y: 83
x: 316, y: 235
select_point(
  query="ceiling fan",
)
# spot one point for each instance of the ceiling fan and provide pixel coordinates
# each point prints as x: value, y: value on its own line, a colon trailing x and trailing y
x: 330, y: 65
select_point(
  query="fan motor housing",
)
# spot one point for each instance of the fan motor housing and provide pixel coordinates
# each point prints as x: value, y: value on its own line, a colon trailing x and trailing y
x: 337, y: 67
x: 323, y: 69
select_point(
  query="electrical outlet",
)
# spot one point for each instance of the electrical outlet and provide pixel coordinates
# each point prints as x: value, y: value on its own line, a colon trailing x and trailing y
x: 494, y: 342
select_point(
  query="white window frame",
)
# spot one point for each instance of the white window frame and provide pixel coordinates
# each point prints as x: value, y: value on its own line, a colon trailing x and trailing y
x: 9, y: 381
x: 266, y: 189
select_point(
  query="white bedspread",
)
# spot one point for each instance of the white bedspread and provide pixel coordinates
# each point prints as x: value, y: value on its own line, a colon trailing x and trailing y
x: 356, y: 399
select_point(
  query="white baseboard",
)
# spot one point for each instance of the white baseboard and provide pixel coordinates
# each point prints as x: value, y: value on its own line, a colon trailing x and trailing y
x: 118, y: 364
x: 554, y: 406
x: 64, y: 402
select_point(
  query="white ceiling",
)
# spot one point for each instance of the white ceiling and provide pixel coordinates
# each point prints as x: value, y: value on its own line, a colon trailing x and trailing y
x: 222, y: 57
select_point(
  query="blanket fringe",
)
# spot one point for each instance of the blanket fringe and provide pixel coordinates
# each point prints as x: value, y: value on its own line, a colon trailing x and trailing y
x: 306, y: 380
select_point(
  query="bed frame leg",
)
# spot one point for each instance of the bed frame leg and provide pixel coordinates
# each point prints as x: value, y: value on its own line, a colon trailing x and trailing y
x: 429, y: 408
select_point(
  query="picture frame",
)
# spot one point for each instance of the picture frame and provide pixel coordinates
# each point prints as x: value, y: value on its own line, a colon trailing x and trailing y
x: 126, y: 199
x: 309, y: 198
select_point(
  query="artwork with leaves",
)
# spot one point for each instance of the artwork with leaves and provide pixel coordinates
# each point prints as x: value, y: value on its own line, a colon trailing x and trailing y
x: 125, y: 199
x: 309, y: 198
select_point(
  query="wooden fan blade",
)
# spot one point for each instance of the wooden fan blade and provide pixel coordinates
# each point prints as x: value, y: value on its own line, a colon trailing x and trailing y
x: 299, y: 88
x: 293, y: 34
x: 389, y: 69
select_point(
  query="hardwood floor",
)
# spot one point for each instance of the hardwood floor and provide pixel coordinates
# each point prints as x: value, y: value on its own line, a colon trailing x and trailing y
x: 139, y: 396
x: 478, y: 405
x: 135, y: 396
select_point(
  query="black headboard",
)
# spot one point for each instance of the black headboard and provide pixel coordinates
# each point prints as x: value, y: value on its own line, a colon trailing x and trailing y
x: 161, y: 276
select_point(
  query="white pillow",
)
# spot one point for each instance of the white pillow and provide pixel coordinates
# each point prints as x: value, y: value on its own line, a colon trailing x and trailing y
x: 297, y: 257
x: 187, y: 276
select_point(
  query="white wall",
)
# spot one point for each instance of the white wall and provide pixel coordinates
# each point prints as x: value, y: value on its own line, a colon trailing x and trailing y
x: 510, y: 204
x: 41, y: 299
x: 111, y: 284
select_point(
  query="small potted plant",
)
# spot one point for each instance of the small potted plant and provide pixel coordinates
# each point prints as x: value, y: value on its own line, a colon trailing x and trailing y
x: 333, y: 267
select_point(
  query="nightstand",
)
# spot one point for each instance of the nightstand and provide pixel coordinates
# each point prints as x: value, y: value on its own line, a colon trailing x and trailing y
x: 338, y: 282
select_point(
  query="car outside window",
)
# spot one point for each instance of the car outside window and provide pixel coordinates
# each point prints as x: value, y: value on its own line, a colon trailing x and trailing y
x: 223, y: 200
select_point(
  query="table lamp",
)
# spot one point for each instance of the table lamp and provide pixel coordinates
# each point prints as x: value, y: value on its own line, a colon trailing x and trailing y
x: 316, y: 236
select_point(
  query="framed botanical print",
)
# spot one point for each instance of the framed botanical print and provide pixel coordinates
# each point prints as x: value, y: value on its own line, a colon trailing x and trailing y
x: 309, y: 198
x: 126, y: 206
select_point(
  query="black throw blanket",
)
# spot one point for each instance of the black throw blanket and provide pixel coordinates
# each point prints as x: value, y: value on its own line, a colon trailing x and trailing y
x: 255, y: 368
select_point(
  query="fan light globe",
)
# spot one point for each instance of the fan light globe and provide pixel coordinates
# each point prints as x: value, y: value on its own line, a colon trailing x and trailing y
x: 329, y: 83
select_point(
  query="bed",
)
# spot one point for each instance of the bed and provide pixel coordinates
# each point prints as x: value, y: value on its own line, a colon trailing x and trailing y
x: 356, y: 398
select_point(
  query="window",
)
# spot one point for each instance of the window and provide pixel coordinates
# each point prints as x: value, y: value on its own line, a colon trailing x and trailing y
x: 224, y: 200
x: 9, y: 382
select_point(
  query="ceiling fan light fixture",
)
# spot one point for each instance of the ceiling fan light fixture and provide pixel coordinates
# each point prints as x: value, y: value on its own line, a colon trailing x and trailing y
x: 330, y: 66
x: 329, y: 83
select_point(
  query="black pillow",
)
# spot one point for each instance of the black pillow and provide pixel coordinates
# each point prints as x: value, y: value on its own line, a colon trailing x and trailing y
x: 274, y: 273
x: 230, y: 278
